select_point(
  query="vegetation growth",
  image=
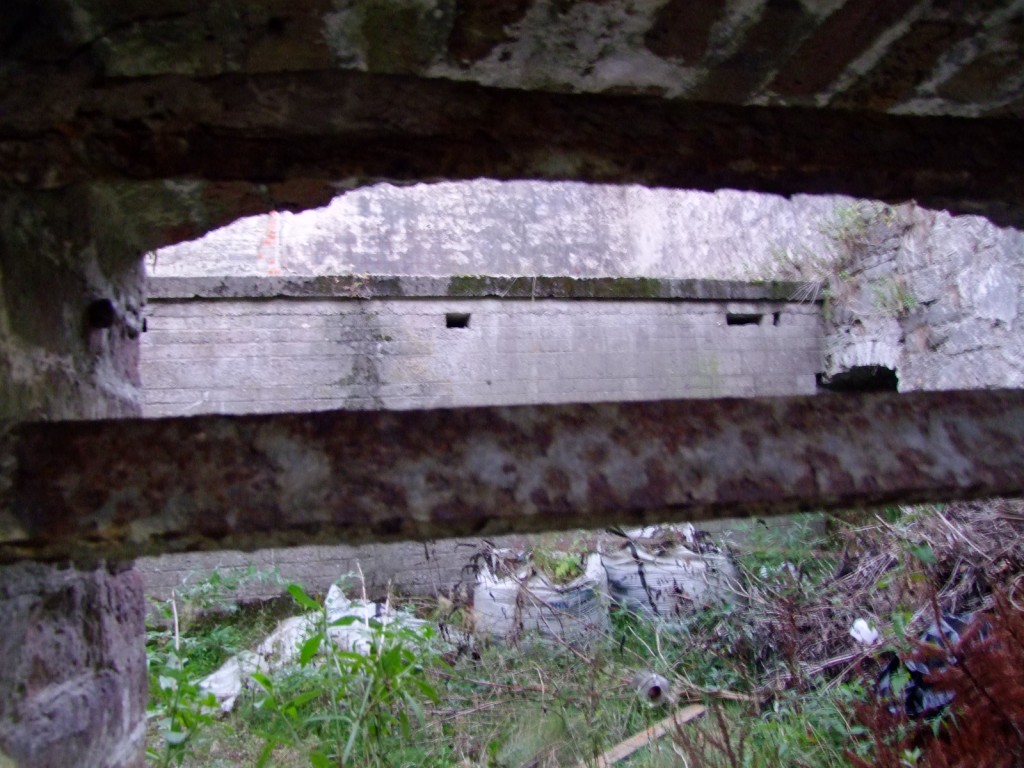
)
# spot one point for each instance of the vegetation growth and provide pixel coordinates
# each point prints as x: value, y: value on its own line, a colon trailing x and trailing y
x: 782, y: 680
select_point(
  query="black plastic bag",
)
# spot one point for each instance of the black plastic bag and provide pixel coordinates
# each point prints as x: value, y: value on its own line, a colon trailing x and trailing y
x: 920, y: 698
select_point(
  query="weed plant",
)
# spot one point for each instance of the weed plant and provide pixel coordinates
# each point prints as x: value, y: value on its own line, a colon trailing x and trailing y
x: 782, y: 681
x: 183, y: 647
x: 350, y: 705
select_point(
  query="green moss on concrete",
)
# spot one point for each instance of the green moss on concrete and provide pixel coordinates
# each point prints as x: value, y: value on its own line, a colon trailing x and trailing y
x: 633, y: 288
x: 388, y: 286
x: 175, y: 46
x: 779, y: 290
x: 563, y: 287
x: 405, y: 36
x: 470, y: 285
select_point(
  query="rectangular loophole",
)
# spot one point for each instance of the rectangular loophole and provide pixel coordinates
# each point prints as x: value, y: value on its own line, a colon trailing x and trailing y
x: 742, y: 319
x: 456, y: 320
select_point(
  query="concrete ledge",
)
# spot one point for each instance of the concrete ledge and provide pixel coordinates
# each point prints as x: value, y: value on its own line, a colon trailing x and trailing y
x: 476, y: 287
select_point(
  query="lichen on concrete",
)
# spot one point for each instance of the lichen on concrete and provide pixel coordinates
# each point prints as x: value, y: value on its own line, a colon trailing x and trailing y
x: 390, y: 36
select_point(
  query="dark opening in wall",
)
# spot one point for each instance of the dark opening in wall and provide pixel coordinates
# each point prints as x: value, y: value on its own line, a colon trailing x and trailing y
x: 100, y: 314
x: 861, y: 378
x: 456, y: 320
x: 776, y: 316
x: 733, y: 318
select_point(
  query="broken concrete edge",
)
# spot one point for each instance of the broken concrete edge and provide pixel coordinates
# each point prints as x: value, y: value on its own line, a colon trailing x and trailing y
x: 119, y: 489
x: 479, y: 286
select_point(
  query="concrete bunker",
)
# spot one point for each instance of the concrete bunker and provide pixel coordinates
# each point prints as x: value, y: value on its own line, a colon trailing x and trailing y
x: 125, y: 129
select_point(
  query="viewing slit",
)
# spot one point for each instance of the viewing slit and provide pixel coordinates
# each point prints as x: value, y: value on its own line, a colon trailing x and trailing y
x: 735, y: 318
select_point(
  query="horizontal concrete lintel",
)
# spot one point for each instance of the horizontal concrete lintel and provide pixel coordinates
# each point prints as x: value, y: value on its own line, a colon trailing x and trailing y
x: 478, y: 286
x: 337, y: 129
x: 118, y: 489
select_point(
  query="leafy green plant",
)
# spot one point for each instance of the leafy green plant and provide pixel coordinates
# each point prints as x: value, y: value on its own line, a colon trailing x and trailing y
x: 892, y: 297
x: 349, y: 705
x: 560, y: 567
x: 218, y: 591
x: 182, y: 647
x: 177, y: 706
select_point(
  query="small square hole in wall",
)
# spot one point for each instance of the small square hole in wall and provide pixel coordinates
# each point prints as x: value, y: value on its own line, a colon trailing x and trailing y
x: 456, y: 320
x: 741, y: 319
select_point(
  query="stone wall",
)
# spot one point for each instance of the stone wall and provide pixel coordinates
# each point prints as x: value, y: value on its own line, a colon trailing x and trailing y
x: 73, y: 680
x: 935, y: 298
x: 70, y: 307
x: 962, y: 325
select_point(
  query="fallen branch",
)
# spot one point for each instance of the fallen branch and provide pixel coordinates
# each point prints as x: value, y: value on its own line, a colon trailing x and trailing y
x: 626, y: 748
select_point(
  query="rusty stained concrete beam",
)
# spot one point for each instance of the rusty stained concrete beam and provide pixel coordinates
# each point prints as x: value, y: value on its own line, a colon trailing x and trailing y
x: 124, y: 488
x: 320, y: 128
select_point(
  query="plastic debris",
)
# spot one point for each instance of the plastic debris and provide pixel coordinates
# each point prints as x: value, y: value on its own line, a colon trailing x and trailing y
x: 920, y: 698
x: 667, y: 571
x: 227, y: 682
x: 863, y: 632
x: 652, y: 687
x: 511, y: 599
x: 281, y: 647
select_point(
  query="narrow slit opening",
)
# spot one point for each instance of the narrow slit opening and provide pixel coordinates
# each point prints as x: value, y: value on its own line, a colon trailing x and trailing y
x: 456, y: 320
x: 742, y: 319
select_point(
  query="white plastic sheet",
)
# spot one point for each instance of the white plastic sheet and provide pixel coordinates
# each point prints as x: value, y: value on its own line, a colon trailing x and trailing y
x: 281, y: 647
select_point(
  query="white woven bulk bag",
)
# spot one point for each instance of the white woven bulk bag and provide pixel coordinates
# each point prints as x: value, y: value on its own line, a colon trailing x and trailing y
x: 519, y: 602
x: 667, y: 581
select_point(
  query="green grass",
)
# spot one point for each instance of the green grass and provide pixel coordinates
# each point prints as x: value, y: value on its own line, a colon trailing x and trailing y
x: 539, y: 704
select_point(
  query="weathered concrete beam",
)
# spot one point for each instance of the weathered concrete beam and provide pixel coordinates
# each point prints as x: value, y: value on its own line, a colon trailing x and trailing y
x: 132, y: 487
x: 351, y: 127
x: 479, y: 287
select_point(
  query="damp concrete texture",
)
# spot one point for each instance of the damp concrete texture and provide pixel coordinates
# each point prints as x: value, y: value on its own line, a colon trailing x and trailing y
x: 516, y: 228
x: 127, y: 127
x: 258, y: 355
x: 896, y: 273
x: 73, y: 681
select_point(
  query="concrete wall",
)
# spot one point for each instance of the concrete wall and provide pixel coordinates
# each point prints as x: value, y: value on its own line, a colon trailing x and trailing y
x: 290, y: 354
x: 936, y: 298
x: 73, y: 676
x: 515, y: 228
x: 309, y: 351
x: 527, y: 342
x: 413, y: 568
